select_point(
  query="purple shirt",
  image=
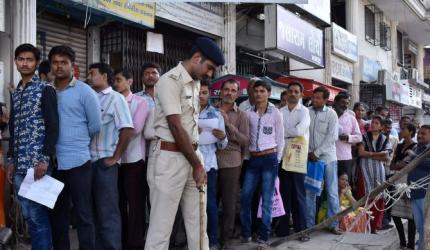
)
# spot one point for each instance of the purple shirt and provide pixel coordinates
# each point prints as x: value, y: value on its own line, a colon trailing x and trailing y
x: 266, y: 131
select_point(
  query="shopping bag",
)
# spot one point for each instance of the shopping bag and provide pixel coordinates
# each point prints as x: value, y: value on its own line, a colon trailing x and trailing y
x: 296, y: 155
x: 315, y: 176
x: 278, y: 207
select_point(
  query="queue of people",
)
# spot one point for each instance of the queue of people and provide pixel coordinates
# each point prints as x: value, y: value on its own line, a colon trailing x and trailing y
x: 120, y: 153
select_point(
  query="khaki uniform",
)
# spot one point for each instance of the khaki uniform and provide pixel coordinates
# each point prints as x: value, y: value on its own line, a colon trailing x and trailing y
x: 169, y: 174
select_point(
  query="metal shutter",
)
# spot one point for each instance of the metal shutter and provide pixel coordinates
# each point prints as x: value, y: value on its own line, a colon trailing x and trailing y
x: 52, y: 31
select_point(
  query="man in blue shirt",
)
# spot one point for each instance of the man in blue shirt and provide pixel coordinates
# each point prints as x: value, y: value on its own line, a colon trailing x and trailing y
x: 80, y: 120
x: 421, y: 171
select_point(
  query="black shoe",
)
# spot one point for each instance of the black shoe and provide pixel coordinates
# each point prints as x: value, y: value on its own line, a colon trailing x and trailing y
x: 335, y: 231
x: 386, y: 226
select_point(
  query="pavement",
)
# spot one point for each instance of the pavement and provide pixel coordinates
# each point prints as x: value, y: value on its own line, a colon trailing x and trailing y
x: 321, y: 240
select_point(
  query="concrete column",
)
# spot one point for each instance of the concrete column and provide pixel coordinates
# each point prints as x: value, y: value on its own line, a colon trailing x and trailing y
x: 228, y: 43
x: 352, y: 8
x: 420, y: 62
x: 327, y: 55
x: 394, y: 45
x: 93, y: 53
x: 23, y: 27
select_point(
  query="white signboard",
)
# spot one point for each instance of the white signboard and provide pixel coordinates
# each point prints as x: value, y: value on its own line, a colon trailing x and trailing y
x: 342, y: 70
x: 318, y: 8
x: 415, y: 97
x: 398, y: 91
x: 344, y: 43
x: 191, y: 16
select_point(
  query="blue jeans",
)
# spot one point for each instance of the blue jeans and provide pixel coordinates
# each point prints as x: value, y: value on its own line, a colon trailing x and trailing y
x: 330, y: 183
x: 212, y: 208
x: 106, y: 206
x: 262, y: 169
x: 37, y: 218
x: 418, y: 212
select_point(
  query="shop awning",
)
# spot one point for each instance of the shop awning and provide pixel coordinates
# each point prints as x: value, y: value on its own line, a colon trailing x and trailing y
x: 309, y: 85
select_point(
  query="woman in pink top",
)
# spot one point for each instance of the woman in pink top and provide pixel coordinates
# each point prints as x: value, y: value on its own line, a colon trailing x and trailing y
x: 133, y: 187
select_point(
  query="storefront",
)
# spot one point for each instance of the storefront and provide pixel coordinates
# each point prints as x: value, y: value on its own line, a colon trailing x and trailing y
x: 166, y: 42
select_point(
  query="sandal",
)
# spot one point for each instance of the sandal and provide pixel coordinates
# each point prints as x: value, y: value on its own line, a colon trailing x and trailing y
x: 305, y: 238
x: 263, y: 245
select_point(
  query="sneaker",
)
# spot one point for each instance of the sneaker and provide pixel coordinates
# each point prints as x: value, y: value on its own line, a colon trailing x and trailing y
x: 305, y: 238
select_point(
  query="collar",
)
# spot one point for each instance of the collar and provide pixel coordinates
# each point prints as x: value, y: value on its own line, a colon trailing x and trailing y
x: 269, y: 108
x: 324, y: 109
x: 184, y: 75
x: 129, y: 97
x: 33, y: 79
x: 72, y: 83
x: 235, y: 107
x: 106, y: 91
x: 299, y: 106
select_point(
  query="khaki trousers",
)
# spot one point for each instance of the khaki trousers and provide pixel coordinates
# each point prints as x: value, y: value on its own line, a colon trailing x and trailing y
x: 171, y: 184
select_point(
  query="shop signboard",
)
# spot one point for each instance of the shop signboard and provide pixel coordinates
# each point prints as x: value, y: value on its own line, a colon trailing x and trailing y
x: 192, y: 16
x: 2, y: 15
x: 138, y: 12
x: 397, y: 91
x: 369, y: 69
x: 344, y: 43
x: 288, y: 34
x: 318, y: 8
x: 415, y: 96
x: 342, y: 70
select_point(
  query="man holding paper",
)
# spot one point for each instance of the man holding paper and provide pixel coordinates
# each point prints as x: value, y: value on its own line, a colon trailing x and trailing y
x: 293, y: 171
x: 33, y: 129
x: 212, y: 137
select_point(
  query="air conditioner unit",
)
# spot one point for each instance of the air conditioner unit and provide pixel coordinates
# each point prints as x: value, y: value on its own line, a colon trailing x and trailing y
x: 413, y: 73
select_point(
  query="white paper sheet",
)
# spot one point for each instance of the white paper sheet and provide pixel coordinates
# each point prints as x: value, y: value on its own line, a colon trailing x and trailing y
x: 154, y: 42
x: 206, y: 126
x: 44, y: 191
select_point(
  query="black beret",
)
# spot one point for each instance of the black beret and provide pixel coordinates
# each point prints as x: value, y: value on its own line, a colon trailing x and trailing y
x: 210, y: 49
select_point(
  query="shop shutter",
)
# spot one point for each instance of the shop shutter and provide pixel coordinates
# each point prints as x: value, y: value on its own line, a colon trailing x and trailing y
x: 52, y: 31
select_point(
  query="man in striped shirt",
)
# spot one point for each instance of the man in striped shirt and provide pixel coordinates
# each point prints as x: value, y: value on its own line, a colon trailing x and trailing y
x: 107, y: 147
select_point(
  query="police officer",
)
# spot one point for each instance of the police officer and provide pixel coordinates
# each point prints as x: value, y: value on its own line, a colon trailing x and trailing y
x: 175, y: 166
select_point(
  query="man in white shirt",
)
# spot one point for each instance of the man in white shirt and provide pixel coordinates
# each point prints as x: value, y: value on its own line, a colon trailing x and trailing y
x: 248, y: 103
x: 296, y: 123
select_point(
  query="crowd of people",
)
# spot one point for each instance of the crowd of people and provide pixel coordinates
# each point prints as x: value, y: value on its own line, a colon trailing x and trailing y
x: 119, y: 153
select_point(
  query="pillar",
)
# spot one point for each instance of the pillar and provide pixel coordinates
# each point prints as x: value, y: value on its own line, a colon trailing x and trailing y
x: 228, y: 43
x: 23, y: 27
x: 352, y: 9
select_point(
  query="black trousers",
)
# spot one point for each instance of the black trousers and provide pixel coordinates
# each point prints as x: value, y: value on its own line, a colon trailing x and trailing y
x: 78, y: 189
x: 292, y: 188
x: 401, y: 231
x: 132, y: 186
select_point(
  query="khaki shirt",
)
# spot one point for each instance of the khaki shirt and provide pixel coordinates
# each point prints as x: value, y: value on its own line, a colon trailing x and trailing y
x: 177, y: 93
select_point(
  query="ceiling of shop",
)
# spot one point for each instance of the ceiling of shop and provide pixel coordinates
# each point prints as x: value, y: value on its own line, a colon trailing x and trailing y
x: 415, y: 22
